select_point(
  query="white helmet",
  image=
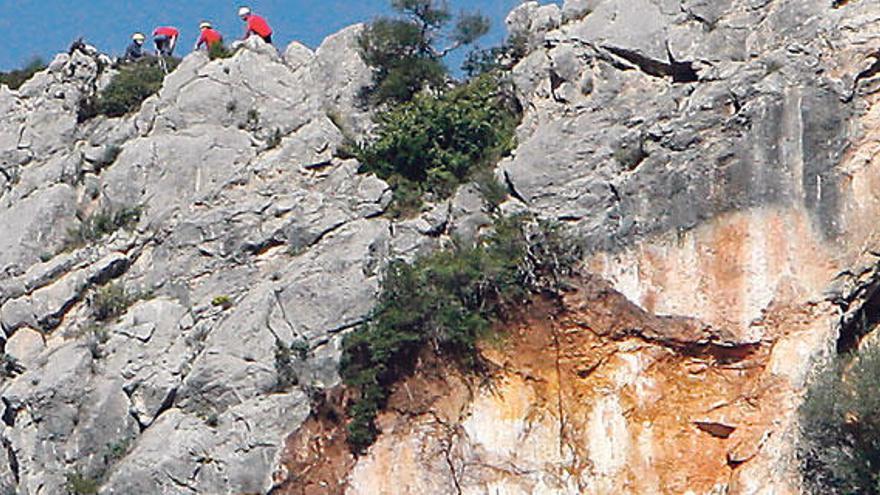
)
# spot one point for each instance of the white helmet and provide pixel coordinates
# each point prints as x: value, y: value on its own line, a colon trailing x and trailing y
x: 205, y: 25
x: 138, y: 37
x: 244, y: 11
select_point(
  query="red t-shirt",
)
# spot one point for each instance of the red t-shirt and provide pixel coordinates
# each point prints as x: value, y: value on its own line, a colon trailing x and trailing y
x: 256, y: 24
x: 166, y: 31
x: 210, y: 38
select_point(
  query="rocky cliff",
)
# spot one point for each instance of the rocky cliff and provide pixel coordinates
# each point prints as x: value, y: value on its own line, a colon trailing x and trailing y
x: 717, y: 158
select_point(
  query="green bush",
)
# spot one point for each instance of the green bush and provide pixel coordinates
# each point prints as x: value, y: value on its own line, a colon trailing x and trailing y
x: 404, y: 52
x: 285, y: 374
x: 80, y: 484
x: 434, y: 143
x: 102, y: 223
x: 16, y: 78
x: 447, y: 301
x: 840, y: 422
x: 224, y: 302
x: 134, y: 83
x: 300, y: 349
x: 116, y: 451
x: 111, y: 301
x: 219, y: 51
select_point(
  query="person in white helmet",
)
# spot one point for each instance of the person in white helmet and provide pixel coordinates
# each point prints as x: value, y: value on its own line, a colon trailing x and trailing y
x: 209, y: 36
x: 256, y: 25
x: 135, y: 50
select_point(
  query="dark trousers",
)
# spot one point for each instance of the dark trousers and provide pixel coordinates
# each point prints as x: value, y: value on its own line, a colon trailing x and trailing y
x: 164, y: 45
x: 267, y: 39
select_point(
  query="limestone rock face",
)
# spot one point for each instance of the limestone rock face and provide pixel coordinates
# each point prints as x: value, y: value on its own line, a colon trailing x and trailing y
x: 253, y: 236
x: 718, y: 158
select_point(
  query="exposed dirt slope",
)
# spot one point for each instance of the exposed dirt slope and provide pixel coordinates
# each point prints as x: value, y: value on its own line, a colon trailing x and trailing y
x: 594, y: 395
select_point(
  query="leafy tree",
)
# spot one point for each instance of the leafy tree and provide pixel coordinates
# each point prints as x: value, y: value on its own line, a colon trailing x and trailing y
x: 406, y: 53
x: 434, y: 143
x: 446, y: 302
x: 495, y: 58
x: 16, y: 78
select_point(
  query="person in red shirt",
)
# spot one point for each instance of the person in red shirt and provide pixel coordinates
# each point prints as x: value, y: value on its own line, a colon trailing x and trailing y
x: 165, y: 38
x: 255, y: 25
x: 209, y: 37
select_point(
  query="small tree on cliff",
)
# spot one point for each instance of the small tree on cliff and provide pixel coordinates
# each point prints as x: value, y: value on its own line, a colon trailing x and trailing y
x: 840, y: 422
x: 406, y: 52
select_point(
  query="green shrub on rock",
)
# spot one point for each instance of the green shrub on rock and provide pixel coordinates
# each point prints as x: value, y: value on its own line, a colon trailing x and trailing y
x: 16, y: 78
x: 102, y: 223
x: 448, y: 301
x: 434, y: 143
x: 80, y: 484
x: 112, y: 301
x: 219, y: 51
x: 840, y: 427
x: 134, y: 83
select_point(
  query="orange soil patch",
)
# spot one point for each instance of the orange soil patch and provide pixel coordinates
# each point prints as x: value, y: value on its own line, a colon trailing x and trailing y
x: 706, y: 409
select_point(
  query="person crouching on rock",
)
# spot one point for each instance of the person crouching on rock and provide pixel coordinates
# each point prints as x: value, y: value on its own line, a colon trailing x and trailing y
x: 135, y: 50
x: 209, y: 36
x: 165, y: 38
x: 256, y: 25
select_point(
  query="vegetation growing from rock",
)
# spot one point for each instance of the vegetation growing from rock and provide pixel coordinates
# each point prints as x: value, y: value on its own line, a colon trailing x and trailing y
x: 16, y: 78
x: 840, y: 421
x: 102, y: 223
x: 134, y: 83
x: 111, y: 301
x: 432, y: 144
x: 285, y: 373
x: 80, y: 484
x: 219, y: 51
x: 496, y: 58
x: 405, y: 51
x: 224, y: 302
x: 447, y: 302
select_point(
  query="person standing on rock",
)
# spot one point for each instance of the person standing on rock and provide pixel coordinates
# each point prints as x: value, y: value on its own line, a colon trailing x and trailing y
x: 135, y: 50
x: 209, y: 36
x: 256, y: 25
x: 165, y: 38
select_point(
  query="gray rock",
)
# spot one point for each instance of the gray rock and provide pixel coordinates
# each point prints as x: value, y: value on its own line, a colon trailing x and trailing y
x: 327, y: 290
x: 148, y: 348
x: 338, y: 67
x: 182, y: 453
x: 61, y: 417
x: 613, y: 119
x: 296, y: 55
x: 228, y: 190
x: 576, y: 9
x: 44, y: 308
x: 532, y: 21
x: 641, y: 117
x: 25, y: 346
x: 34, y: 225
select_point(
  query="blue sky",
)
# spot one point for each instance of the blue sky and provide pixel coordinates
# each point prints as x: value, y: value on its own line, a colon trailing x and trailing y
x: 31, y: 28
